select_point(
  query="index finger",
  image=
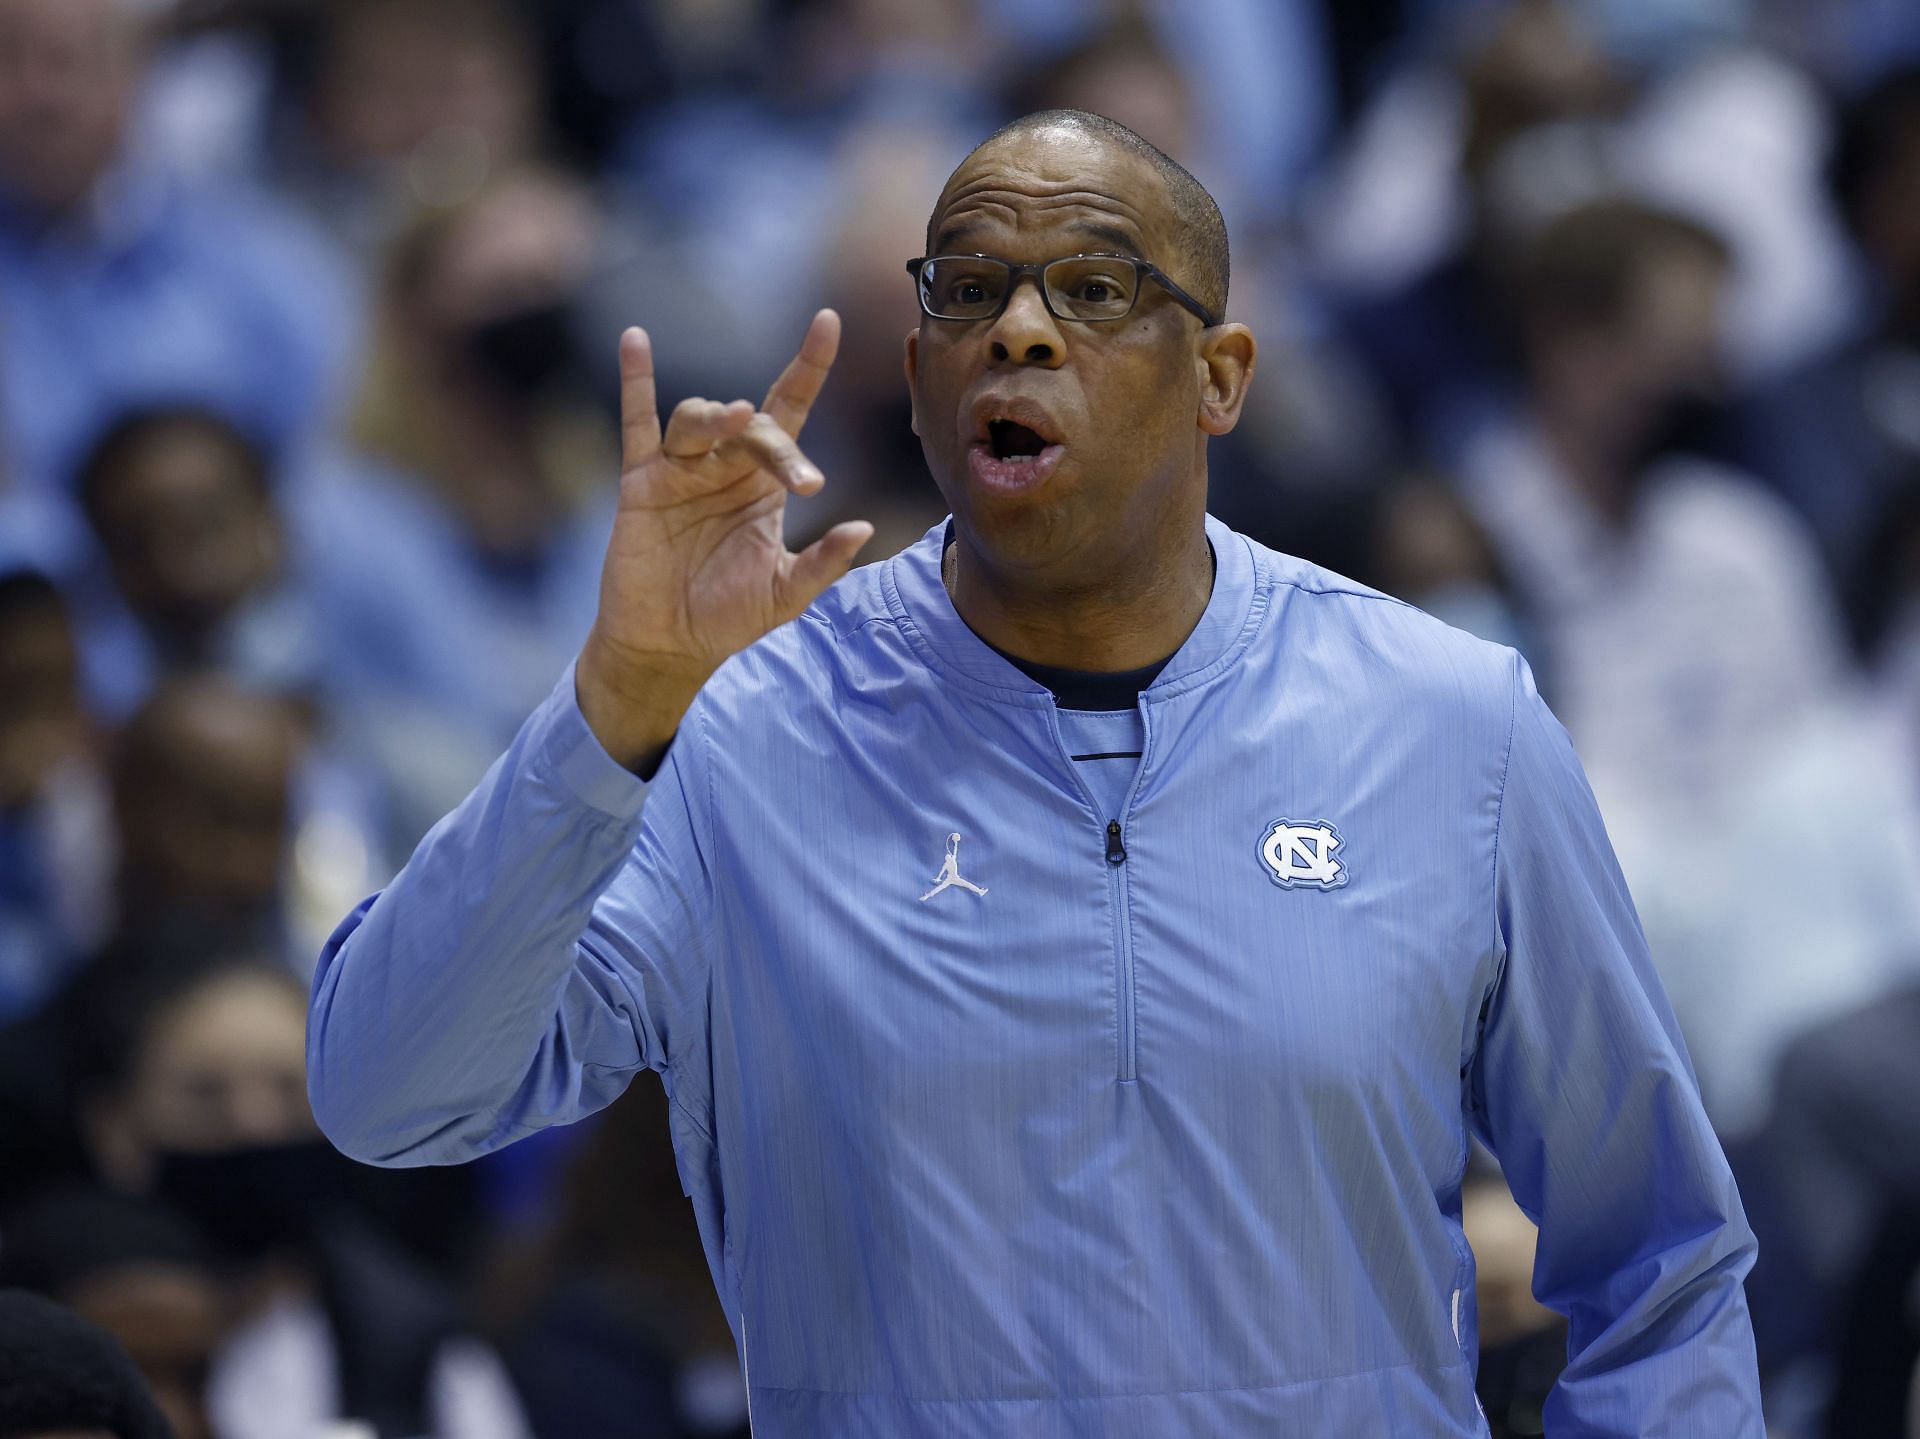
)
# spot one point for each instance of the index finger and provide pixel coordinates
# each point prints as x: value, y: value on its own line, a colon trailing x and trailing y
x: 792, y: 396
x: 639, y: 409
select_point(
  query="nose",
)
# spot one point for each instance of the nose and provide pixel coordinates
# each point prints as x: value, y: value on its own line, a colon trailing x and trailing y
x: 1026, y: 331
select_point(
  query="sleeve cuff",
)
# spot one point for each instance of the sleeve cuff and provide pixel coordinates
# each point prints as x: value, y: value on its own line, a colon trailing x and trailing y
x: 574, y: 756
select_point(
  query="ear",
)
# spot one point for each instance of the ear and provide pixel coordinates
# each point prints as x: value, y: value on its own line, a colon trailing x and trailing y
x: 1225, y: 360
x: 913, y: 374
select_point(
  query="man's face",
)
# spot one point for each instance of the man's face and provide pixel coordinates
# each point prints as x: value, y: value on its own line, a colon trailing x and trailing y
x: 68, y: 73
x: 187, y: 529
x: 1116, y: 403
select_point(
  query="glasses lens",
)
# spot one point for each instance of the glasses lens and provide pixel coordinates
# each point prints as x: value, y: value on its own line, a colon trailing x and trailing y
x: 961, y: 287
x: 1092, y: 287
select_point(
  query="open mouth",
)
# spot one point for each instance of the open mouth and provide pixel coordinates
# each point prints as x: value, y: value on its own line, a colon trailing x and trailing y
x: 1014, y: 444
x: 1011, y: 440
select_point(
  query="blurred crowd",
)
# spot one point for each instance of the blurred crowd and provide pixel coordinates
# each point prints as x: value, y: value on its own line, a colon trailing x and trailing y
x: 1591, y: 326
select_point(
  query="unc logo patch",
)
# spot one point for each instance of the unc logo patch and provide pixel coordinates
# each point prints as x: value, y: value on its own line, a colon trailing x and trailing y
x: 1301, y: 852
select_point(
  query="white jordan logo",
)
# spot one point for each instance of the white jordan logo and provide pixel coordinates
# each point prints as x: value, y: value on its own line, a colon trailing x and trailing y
x: 950, y: 876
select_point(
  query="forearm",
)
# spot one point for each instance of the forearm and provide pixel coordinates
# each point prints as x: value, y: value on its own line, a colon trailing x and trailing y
x: 442, y: 1008
x: 1665, y: 1347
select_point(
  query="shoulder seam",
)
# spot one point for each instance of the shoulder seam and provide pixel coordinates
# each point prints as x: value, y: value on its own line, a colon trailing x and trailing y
x: 1352, y: 594
x: 827, y: 624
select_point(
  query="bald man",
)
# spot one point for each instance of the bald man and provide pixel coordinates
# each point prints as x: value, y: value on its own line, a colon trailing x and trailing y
x: 1277, y: 891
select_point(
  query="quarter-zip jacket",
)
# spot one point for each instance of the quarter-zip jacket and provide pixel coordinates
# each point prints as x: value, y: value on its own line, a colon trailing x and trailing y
x: 1156, y: 1125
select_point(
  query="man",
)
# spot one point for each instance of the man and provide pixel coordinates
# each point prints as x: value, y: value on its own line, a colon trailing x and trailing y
x: 1289, y: 889
x: 121, y: 285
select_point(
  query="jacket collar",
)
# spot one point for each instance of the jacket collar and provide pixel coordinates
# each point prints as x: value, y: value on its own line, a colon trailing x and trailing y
x: 924, y: 611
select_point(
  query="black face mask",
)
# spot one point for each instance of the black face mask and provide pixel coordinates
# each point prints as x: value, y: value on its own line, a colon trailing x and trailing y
x: 527, y: 353
x: 255, y: 1201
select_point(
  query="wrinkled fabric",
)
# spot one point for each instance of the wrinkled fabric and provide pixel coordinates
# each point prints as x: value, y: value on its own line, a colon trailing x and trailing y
x: 1163, y: 1142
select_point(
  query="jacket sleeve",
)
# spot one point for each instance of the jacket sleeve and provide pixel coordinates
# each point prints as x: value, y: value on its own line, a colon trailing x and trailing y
x: 1582, y: 1087
x: 544, y: 943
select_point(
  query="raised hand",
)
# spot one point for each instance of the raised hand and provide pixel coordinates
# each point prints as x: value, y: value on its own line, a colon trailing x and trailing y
x: 698, y: 566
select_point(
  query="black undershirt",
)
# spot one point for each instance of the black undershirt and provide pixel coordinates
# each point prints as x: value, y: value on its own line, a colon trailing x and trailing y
x: 1095, y: 690
x: 1088, y: 689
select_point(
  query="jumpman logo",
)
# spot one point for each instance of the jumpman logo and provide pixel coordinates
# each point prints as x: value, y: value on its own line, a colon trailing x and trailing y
x: 950, y: 876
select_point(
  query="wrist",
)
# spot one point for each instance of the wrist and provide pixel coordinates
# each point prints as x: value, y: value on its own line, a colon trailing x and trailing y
x: 633, y: 703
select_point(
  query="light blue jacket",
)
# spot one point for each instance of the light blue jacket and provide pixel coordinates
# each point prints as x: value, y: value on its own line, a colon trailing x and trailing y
x: 1162, y: 1145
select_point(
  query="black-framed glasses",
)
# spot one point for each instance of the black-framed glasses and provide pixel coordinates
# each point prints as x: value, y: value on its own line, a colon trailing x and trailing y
x: 1088, y: 289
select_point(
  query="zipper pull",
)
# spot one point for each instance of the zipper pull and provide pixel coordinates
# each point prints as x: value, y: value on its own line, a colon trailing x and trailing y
x: 1116, y: 851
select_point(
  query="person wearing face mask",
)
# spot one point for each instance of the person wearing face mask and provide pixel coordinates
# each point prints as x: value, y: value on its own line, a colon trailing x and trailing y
x: 453, y: 551
x: 193, y: 1092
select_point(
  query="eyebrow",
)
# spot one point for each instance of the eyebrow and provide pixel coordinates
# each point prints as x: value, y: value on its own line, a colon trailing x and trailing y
x: 1111, y: 234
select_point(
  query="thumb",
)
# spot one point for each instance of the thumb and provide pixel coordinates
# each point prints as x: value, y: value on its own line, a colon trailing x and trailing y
x: 821, y: 563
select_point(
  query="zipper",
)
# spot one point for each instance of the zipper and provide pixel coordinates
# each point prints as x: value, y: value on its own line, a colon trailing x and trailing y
x: 1123, y: 944
x: 1113, y: 835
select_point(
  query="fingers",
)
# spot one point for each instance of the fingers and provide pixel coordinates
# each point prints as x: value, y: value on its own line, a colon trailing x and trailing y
x: 792, y: 396
x: 697, y: 426
x: 821, y: 563
x: 639, y: 409
x: 772, y: 448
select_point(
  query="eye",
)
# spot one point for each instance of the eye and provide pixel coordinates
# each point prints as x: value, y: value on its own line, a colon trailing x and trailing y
x: 954, y: 288
x: 1094, y: 288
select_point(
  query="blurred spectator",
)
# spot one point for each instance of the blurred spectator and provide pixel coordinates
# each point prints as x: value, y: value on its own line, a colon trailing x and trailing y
x: 55, y: 851
x: 203, y: 776
x: 1121, y: 72
x: 615, y: 1330
x: 1696, y: 656
x: 140, y: 1273
x: 195, y: 1092
x: 1552, y: 104
x: 205, y: 584
x: 411, y: 105
x: 1682, y: 609
x: 66, y: 1378
x: 1441, y: 184
x: 181, y: 505
x: 457, y: 557
x: 119, y: 285
x: 1426, y: 548
x: 1841, y: 435
x: 1878, y: 1387
x: 861, y: 432
x: 1838, y: 1159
